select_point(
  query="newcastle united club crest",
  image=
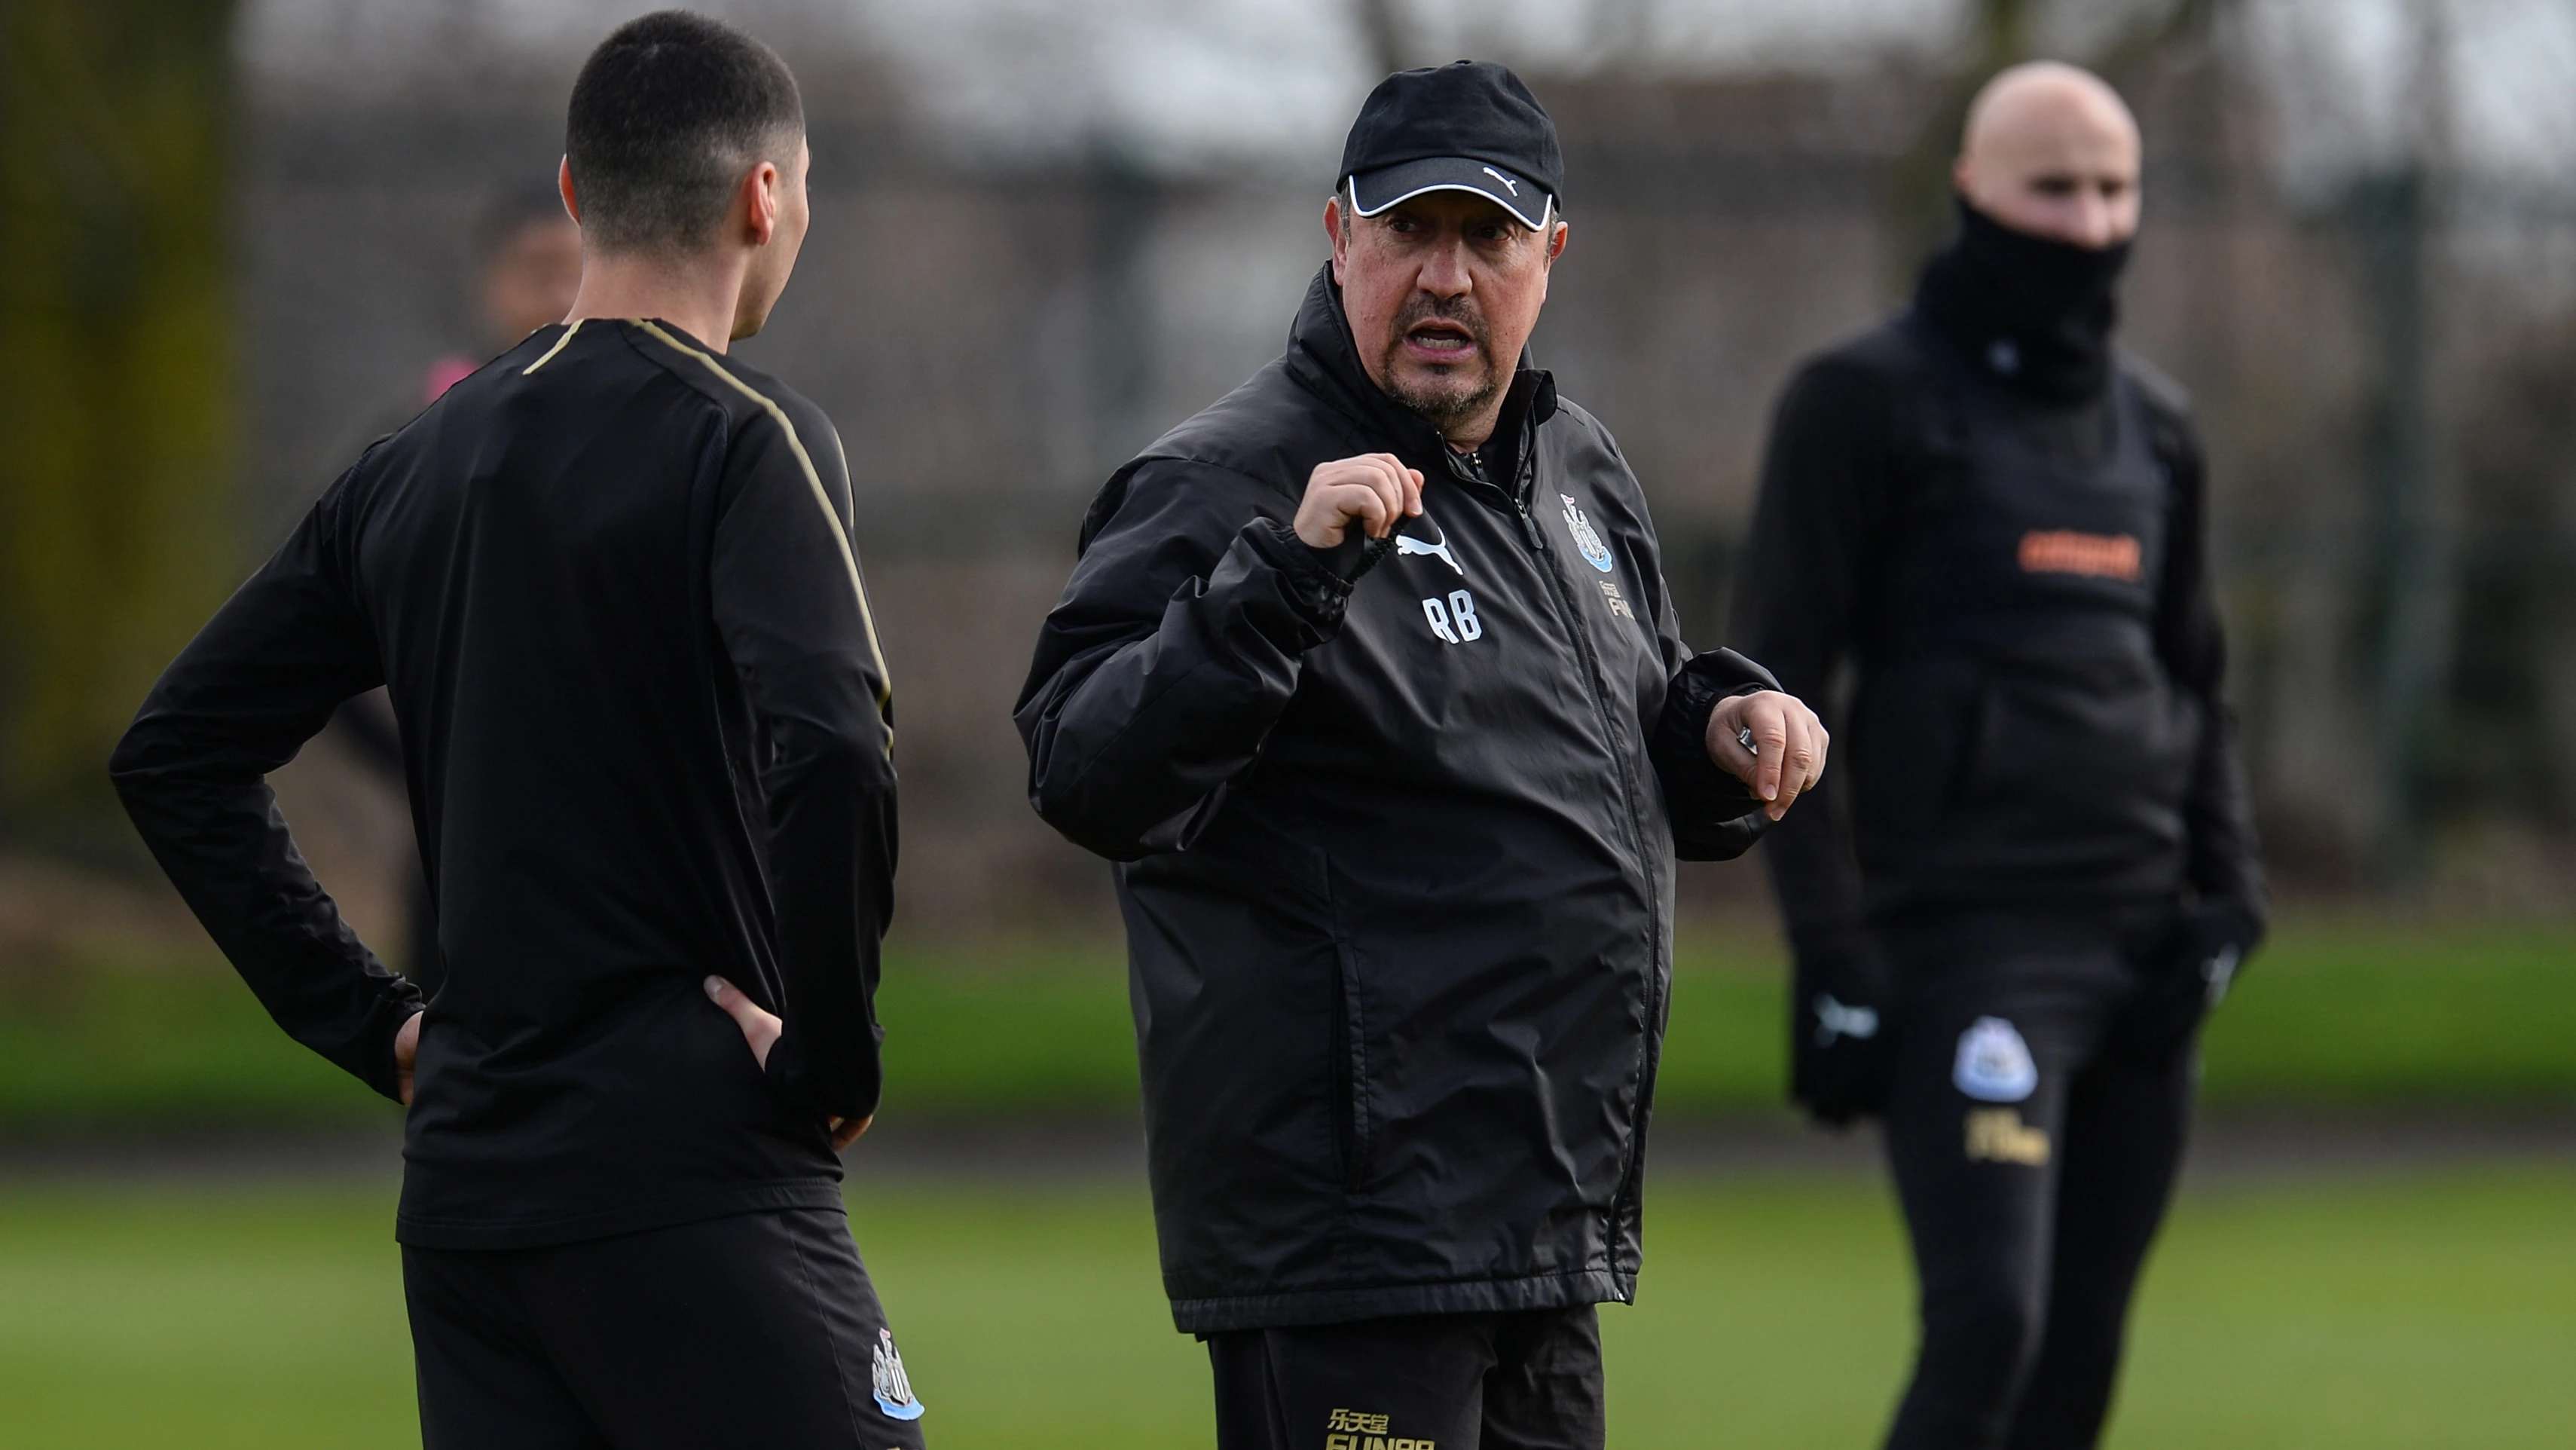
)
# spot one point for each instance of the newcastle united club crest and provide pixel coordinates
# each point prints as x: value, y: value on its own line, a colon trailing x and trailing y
x: 1594, y: 551
x: 894, y: 1391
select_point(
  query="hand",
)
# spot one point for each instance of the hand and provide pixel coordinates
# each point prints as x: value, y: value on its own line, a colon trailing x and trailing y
x: 1375, y: 490
x: 760, y: 1029
x: 1839, y: 1030
x: 1789, y: 744
x: 2184, y: 970
x: 406, y: 1053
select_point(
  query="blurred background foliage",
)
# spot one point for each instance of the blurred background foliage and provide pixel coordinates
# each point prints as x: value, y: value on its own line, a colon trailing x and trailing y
x: 118, y: 412
x: 234, y: 238
x: 1044, y: 233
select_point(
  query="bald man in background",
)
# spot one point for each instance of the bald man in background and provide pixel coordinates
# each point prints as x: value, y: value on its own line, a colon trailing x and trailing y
x: 2041, y: 872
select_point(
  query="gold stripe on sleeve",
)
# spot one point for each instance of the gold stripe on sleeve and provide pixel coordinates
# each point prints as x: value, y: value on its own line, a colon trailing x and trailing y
x: 813, y: 480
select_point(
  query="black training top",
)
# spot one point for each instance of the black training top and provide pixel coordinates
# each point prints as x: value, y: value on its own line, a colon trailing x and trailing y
x: 1998, y: 524
x: 609, y: 583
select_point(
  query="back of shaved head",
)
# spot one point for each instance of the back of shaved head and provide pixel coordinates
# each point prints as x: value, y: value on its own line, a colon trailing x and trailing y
x: 2051, y: 150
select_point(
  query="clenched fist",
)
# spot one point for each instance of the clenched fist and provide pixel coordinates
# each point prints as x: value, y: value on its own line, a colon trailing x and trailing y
x: 1374, y: 490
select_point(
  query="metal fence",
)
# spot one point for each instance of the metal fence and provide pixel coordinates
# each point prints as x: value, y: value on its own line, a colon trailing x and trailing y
x: 2383, y: 373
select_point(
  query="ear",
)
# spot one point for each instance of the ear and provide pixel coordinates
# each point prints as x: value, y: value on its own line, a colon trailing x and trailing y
x: 563, y: 184
x: 1333, y: 233
x: 1963, y: 177
x: 760, y: 202
x: 1556, y: 243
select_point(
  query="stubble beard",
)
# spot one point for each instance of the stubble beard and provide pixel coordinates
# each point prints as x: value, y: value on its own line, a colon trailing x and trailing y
x: 1448, y: 399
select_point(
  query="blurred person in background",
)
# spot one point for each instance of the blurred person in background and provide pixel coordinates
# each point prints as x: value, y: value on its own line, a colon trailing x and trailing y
x: 1994, y: 522
x: 609, y: 584
x: 1368, y: 679
x: 530, y: 251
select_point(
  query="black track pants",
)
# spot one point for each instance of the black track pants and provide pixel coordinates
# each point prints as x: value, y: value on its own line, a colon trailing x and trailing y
x: 2034, y: 1151
x: 758, y: 1331
x: 1528, y: 1380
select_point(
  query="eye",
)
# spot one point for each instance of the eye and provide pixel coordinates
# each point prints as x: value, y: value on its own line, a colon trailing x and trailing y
x: 2054, y: 186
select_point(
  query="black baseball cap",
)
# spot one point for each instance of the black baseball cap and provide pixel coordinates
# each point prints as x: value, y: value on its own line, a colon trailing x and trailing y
x: 1468, y: 126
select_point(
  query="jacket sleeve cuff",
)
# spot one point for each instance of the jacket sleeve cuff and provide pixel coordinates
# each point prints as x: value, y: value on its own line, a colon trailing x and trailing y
x: 1714, y: 815
x: 1315, y: 586
x: 399, y: 1003
x: 1355, y: 555
x: 1681, y: 735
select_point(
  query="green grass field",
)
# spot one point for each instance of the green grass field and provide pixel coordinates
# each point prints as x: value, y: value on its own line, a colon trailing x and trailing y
x: 2356, y: 1014
x: 2356, y: 1313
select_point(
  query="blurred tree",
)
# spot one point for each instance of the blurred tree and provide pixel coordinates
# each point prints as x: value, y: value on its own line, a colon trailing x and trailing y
x: 2404, y: 593
x: 116, y: 381
x: 2508, y: 736
x: 2409, y: 591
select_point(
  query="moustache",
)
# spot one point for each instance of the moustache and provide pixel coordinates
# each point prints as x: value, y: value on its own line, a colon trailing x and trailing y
x: 1460, y: 310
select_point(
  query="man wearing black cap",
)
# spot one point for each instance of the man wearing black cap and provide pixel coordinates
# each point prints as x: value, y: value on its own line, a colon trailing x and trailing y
x: 1368, y: 679
x: 1997, y: 522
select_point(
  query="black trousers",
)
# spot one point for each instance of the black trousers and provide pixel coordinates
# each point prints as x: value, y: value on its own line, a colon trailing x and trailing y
x: 759, y: 1331
x: 2035, y: 1146
x: 1529, y: 1380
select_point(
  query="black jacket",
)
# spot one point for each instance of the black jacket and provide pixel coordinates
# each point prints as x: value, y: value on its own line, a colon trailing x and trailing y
x: 1398, y: 848
x: 2036, y: 714
x: 608, y: 582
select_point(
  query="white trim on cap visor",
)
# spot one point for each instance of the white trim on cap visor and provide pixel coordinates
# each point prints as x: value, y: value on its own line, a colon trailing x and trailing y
x: 1546, y: 212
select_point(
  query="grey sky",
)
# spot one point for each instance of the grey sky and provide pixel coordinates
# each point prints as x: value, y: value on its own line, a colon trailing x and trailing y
x: 1199, y: 85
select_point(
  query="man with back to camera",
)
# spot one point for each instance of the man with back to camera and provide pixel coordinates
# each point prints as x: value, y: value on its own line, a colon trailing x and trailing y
x: 1369, y: 680
x: 608, y: 582
x: 1997, y: 522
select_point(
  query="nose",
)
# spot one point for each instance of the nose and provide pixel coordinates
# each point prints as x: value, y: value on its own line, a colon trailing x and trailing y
x: 2093, y: 224
x: 1444, y: 269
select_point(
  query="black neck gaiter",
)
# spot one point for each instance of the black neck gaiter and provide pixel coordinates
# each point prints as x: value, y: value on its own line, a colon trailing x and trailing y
x: 2036, y: 313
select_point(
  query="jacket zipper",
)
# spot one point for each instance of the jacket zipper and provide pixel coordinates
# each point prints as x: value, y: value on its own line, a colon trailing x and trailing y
x: 1529, y: 528
x: 1571, y: 616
